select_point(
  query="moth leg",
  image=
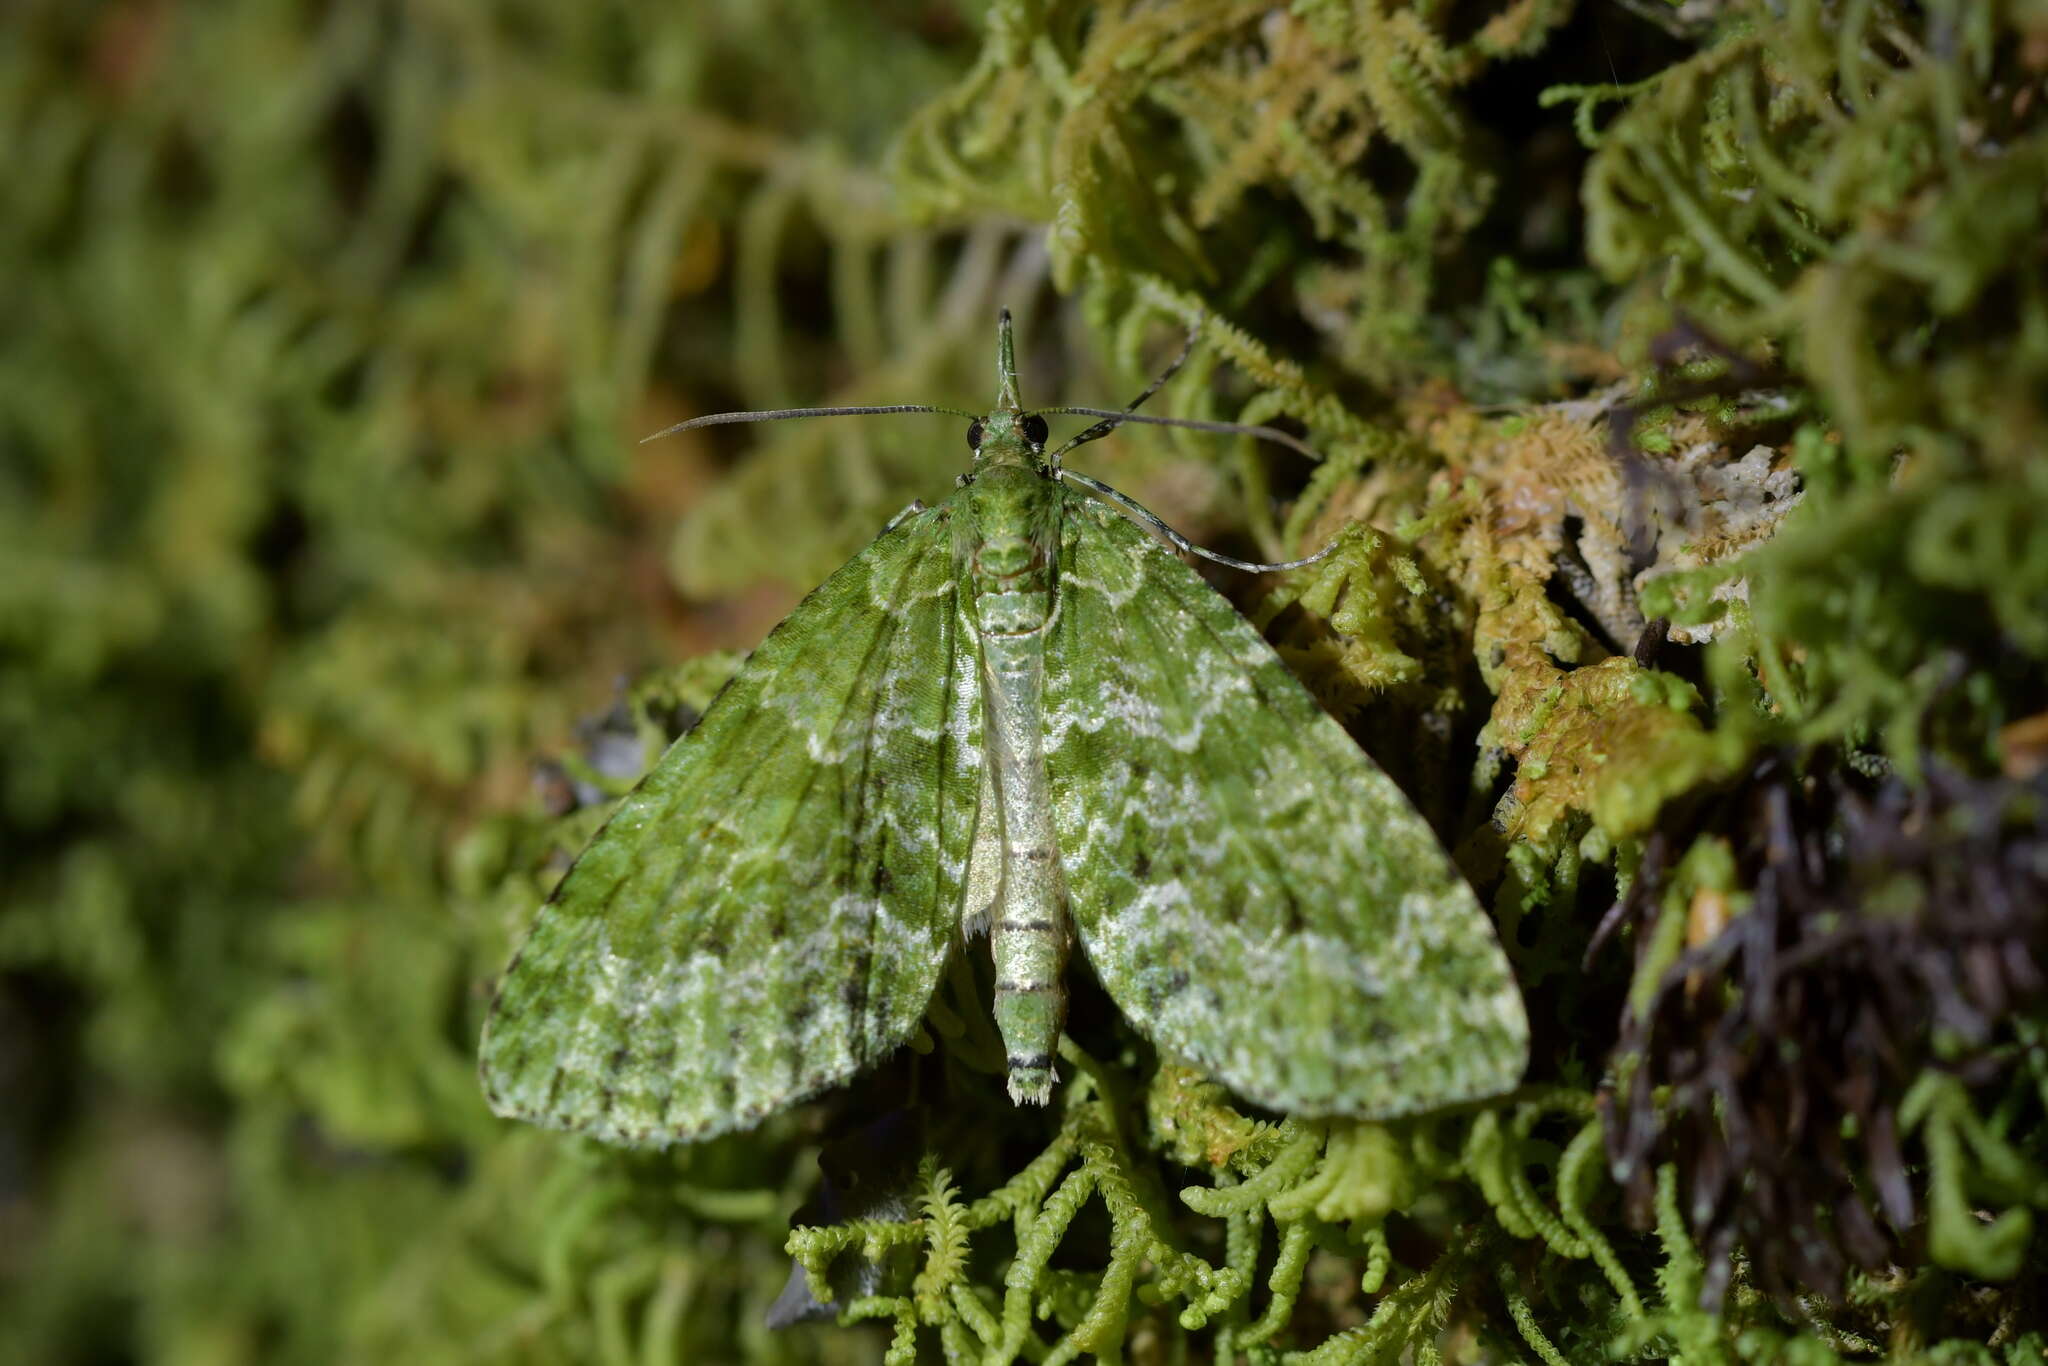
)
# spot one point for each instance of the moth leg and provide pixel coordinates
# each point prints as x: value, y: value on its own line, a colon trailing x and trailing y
x: 1109, y: 424
x: 1148, y: 519
x: 915, y: 506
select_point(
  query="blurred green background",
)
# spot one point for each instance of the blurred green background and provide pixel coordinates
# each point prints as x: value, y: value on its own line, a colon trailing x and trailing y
x: 331, y: 331
x: 328, y: 332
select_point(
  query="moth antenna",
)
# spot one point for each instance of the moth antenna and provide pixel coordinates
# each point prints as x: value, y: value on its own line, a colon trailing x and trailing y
x: 1150, y: 519
x: 1114, y: 418
x: 785, y: 414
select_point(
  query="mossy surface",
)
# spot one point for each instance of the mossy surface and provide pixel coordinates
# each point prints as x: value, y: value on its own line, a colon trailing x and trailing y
x: 1678, y: 374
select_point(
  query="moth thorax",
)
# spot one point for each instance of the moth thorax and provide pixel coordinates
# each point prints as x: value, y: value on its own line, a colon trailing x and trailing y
x: 1012, y: 583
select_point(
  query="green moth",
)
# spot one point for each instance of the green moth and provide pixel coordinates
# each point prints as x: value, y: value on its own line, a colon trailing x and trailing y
x: 1015, y: 711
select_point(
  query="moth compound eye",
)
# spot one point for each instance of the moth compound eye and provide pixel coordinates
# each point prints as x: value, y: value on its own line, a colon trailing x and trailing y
x: 1035, y: 430
x: 974, y: 435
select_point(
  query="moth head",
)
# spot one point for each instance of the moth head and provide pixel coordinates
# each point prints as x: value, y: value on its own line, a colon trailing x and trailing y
x: 1005, y: 438
x: 1030, y: 426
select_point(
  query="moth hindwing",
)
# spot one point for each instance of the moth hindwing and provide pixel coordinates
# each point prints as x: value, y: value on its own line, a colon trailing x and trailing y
x: 1015, y: 710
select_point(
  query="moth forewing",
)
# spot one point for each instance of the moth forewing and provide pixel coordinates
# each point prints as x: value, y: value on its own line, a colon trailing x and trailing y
x: 767, y: 913
x: 1254, y: 893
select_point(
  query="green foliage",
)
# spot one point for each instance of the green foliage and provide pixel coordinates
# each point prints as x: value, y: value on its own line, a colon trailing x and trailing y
x: 332, y: 330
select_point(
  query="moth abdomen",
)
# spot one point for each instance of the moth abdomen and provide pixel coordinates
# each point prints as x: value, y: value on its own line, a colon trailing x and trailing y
x: 1030, y: 953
